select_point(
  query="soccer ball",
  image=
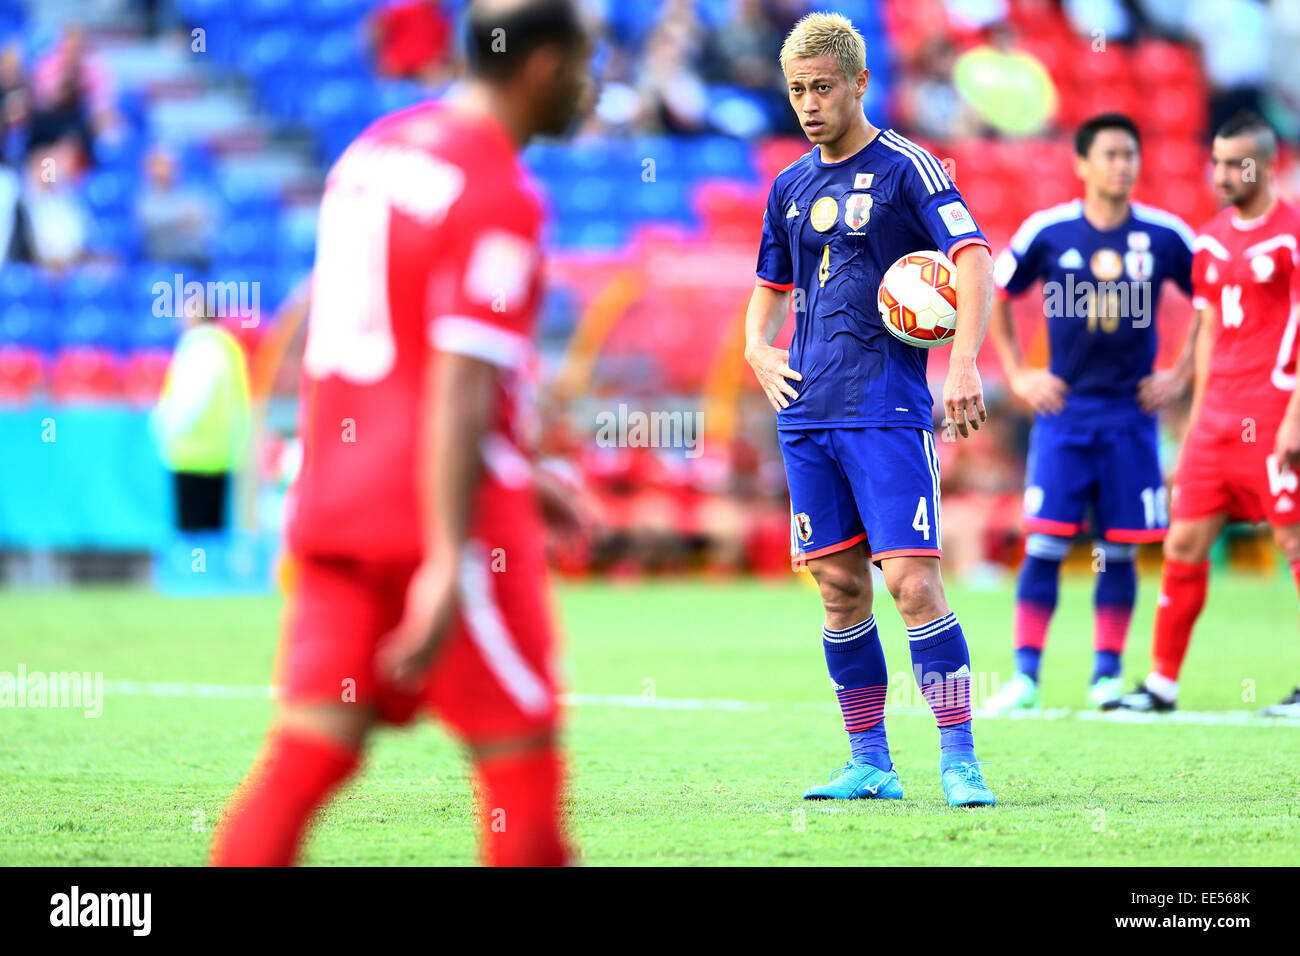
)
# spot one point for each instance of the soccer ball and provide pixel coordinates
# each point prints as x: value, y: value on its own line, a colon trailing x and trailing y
x: 918, y: 299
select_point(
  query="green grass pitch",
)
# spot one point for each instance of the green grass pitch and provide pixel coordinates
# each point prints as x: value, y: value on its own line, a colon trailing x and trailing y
x: 686, y: 778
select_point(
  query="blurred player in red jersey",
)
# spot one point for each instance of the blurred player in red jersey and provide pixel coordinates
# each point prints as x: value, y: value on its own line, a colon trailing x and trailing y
x: 416, y: 524
x: 1244, y: 439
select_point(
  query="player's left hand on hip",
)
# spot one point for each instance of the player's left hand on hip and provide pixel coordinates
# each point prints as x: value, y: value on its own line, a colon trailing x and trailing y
x: 1287, y: 445
x: 963, y: 399
x: 1158, y: 389
x: 406, y: 652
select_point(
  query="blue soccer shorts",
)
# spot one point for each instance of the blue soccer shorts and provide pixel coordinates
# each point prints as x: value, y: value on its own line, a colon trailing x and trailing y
x: 879, y: 485
x: 1111, y: 468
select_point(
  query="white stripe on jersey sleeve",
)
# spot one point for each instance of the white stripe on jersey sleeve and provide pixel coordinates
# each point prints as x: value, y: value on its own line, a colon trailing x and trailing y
x: 1036, y: 223
x: 1211, y: 245
x: 477, y: 339
x: 1277, y: 242
x: 1167, y: 219
x: 936, y: 180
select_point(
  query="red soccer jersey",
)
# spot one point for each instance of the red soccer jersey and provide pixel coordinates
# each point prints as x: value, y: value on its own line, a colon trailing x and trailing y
x: 1248, y: 274
x: 428, y: 240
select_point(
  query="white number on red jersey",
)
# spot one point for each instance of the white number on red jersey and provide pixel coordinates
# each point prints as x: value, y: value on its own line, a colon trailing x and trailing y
x: 350, y: 330
x: 1230, y: 307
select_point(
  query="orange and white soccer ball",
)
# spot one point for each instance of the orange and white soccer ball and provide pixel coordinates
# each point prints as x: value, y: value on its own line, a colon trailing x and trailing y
x: 918, y: 299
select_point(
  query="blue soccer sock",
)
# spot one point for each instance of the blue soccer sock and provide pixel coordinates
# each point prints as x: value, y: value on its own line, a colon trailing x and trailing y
x: 856, y: 663
x: 1113, y: 601
x: 1036, y: 590
x: 941, y: 663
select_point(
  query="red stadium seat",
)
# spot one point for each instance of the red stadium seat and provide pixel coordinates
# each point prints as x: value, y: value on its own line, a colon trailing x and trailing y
x: 1160, y: 62
x: 777, y: 153
x: 83, y: 373
x: 143, y: 374
x: 22, y: 373
x: 1174, y: 111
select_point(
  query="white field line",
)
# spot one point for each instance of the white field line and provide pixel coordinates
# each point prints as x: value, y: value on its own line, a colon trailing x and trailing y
x: 1200, y: 718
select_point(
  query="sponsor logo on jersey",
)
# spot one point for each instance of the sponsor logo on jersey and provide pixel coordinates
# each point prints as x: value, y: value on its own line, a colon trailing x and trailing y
x: 824, y: 213
x: 1261, y: 267
x: 863, y: 180
x: 1106, y: 265
x: 1211, y: 273
x: 957, y: 219
x: 857, y: 210
x: 1033, y: 499
x: 803, y: 527
x: 1284, y: 504
x: 1070, y: 259
x: 792, y: 211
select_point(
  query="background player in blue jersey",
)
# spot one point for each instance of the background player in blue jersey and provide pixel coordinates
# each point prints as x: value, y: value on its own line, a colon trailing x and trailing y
x: 853, y: 406
x: 1093, y: 448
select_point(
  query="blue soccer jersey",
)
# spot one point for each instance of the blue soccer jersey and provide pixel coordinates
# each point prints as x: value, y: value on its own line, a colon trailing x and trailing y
x: 830, y: 232
x: 1100, y: 294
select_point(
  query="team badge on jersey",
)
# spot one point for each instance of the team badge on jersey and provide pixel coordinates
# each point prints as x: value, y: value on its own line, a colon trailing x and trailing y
x: 1261, y: 267
x: 803, y: 526
x: 1139, y: 263
x: 824, y: 213
x: 1139, y: 266
x: 1106, y: 265
x: 857, y: 210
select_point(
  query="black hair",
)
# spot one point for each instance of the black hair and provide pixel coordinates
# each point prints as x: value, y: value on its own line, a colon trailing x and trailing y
x: 500, y: 36
x: 1089, y: 128
x: 1249, y: 123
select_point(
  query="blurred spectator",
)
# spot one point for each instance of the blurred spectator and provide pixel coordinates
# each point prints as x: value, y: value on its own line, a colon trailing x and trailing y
x: 15, y: 230
x: 64, y: 120
x: 410, y: 39
x: 670, y: 81
x: 177, y: 221
x: 928, y: 102
x: 1234, y: 39
x: 1111, y: 20
x: 971, y: 16
x: 202, y: 420
x: 16, y: 102
x: 745, y: 49
x: 59, y: 220
x: 69, y: 62
x: 1010, y: 89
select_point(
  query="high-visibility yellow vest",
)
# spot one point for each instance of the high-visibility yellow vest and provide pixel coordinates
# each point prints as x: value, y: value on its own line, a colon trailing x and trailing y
x: 203, y: 413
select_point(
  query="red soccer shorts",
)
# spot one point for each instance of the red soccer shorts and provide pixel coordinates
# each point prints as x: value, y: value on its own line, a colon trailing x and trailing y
x: 1220, y: 473
x: 495, y: 676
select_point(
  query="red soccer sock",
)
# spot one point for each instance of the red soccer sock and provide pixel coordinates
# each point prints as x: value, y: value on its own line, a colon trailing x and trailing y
x: 521, y: 810
x: 1110, y: 627
x: 1030, y: 626
x: 295, y: 774
x: 1182, y: 595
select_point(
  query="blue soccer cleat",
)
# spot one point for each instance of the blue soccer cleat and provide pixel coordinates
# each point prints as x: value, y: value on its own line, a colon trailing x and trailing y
x: 858, y: 781
x: 964, y: 786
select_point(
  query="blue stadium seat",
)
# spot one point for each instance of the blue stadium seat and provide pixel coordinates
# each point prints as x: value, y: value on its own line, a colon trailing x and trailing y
x: 109, y: 191
x: 21, y: 283
x: 272, y: 50
x: 28, y: 327
x: 267, y: 11
x: 93, y: 325
x: 94, y: 286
